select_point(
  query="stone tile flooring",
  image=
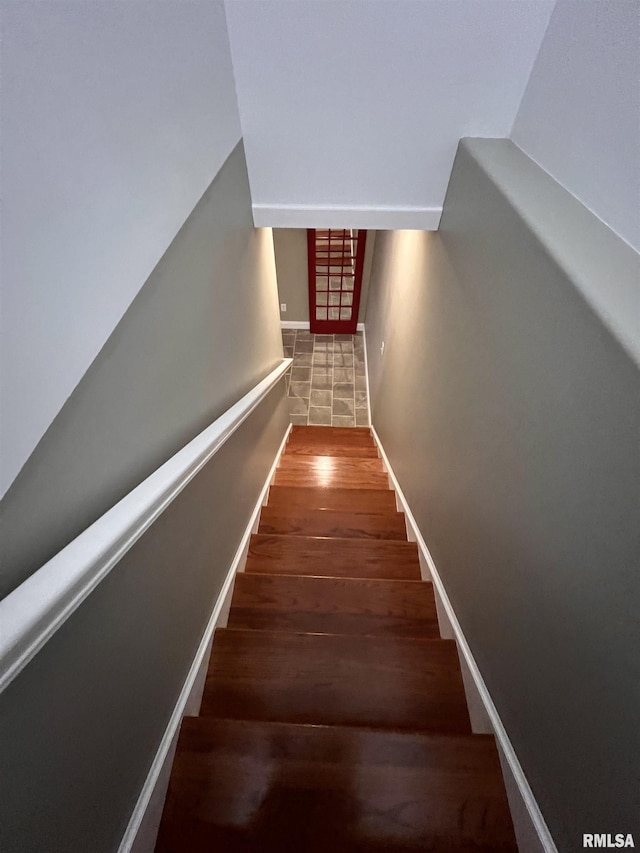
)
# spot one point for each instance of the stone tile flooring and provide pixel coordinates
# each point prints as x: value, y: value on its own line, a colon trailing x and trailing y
x: 326, y: 384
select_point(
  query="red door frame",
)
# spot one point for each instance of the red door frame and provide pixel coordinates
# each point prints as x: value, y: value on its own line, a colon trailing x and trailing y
x: 331, y: 327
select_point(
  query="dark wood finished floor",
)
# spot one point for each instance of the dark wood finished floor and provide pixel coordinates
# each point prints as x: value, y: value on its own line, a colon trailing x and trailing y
x: 333, y: 716
x: 313, y: 788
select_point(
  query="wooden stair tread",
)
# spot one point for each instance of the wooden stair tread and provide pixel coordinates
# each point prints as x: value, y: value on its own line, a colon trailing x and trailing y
x: 329, y: 522
x: 282, y: 787
x: 334, y: 605
x: 326, y: 465
x: 317, y: 448
x: 331, y: 472
x: 331, y: 679
x: 358, y: 481
x: 341, y: 436
x: 308, y: 555
x: 350, y: 500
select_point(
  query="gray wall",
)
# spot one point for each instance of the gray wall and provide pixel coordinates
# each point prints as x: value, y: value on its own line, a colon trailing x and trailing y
x: 80, y: 726
x: 511, y: 416
x: 579, y: 113
x: 290, y: 246
x: 293, y: 273
x: 202, y: 331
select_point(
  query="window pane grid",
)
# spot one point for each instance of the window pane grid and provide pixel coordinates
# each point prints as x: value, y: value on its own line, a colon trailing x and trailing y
x: 336, y: 251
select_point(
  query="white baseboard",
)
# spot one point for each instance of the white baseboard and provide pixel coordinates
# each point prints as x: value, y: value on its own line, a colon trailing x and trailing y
x: 294, y: 324
x: 142, y: 831
x: 532, y: 832
x: 302, y: 324
x: 366, y: 370
x: 374, y: 218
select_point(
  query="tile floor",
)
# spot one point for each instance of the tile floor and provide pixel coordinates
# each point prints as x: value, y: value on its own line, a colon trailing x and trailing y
x: 326, y: 384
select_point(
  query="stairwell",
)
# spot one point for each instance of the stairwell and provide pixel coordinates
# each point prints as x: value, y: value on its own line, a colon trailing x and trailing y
x: 333, y: 716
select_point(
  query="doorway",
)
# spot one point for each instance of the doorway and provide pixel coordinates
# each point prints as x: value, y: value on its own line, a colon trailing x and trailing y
x: 336, y: 263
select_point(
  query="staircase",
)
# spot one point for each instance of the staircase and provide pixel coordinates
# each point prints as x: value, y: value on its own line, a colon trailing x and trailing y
x: 333, y: 717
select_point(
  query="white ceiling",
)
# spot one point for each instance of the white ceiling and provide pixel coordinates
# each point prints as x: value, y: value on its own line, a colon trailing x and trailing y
x: 351, y: 110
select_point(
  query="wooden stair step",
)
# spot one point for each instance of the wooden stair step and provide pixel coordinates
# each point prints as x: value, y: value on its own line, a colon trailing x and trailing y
x: 244, y: 787
x: 318, y: 448
x: 349, y: 500
x: 288, y: 477
x: 329, y: 522
x: 331, y: 679
x: 355, y: 558
x: 340, y: 436
x: 325, y: 465
x: 334, y: 605
x: 331, y: 472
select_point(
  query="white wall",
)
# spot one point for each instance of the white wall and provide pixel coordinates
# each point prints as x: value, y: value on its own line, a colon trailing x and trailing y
x: 351, y: 111
x: 116, y: 118
x: 580, y: 115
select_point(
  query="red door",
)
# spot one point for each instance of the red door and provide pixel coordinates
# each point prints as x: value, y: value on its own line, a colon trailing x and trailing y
x: 336, y: 260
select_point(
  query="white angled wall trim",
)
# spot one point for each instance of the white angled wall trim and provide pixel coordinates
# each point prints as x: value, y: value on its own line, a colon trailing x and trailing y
x: 375, y: 218
x: 140, y: 835
x: 33, y: 612
x: 531, y: 808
